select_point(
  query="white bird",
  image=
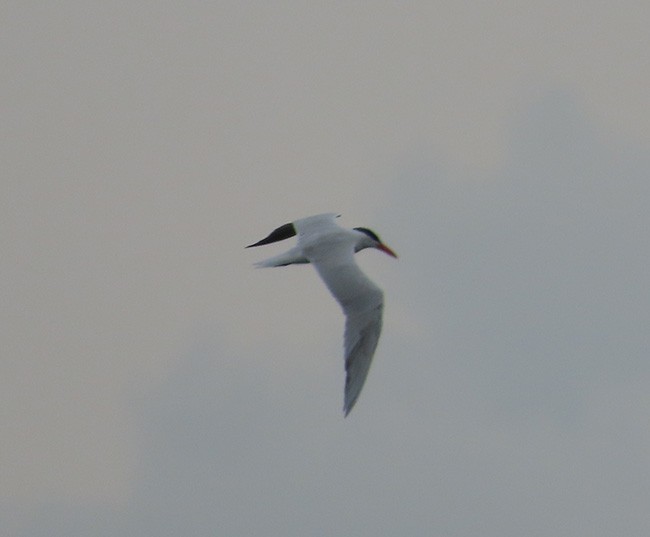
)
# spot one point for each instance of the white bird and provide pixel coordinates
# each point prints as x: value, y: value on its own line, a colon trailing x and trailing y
x: 331, y: 248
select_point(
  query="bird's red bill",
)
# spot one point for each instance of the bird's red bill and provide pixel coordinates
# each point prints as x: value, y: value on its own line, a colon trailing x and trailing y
x: 387, y: 250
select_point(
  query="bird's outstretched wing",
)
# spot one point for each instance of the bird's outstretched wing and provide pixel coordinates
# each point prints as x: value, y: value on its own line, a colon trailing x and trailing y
x: 310, y: 229
x: 362, y: 302
x: 361, y: 338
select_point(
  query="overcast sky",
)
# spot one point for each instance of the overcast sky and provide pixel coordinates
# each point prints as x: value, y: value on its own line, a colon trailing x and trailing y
x: 153, y: 383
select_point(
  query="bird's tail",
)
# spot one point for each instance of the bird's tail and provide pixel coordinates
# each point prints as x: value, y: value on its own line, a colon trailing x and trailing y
x: 292, y: 257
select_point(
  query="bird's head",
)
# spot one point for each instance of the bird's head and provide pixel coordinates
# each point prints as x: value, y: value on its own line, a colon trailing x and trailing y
x: 369, y: 239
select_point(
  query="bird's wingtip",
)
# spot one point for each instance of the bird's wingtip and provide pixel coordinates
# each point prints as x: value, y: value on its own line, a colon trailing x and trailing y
x: 347, y: 407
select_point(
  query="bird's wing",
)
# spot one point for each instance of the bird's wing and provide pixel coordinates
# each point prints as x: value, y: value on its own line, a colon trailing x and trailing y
x: 361, y: 338
x: 310, y: 228
x: 362, y: 302
x: 310, y: 231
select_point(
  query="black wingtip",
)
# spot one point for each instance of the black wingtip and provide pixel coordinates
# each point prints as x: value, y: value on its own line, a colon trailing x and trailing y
x: 283, y: 232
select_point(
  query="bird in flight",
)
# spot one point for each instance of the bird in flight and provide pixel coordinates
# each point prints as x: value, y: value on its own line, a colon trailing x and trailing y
x: 330, y: 249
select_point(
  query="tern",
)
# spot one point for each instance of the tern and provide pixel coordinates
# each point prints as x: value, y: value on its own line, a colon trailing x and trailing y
x: 330, y: 249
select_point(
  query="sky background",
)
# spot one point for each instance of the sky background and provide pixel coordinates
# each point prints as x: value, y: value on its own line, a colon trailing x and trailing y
x: 153, y: 383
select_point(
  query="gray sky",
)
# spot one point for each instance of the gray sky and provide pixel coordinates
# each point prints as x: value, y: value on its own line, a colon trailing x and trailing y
x: 153, y: 383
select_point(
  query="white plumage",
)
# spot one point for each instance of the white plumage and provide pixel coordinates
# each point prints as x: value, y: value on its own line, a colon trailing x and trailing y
x: 330, y: 249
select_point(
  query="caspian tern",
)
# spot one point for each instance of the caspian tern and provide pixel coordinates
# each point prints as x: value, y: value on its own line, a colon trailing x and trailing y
x: 330, y: 249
